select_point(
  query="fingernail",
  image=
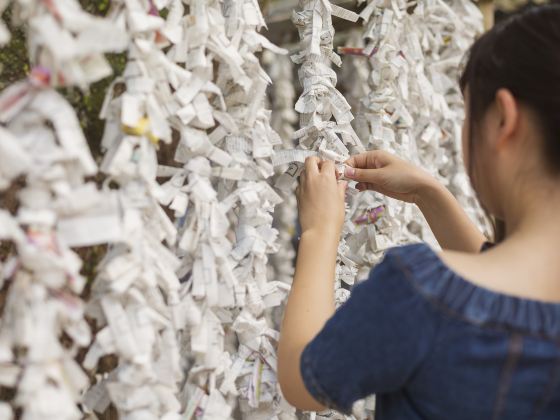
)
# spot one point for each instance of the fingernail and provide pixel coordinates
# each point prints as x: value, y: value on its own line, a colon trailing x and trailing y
x: 350, y: 172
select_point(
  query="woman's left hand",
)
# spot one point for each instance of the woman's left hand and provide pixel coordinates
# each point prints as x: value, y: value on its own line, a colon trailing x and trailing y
x: 321, y: 197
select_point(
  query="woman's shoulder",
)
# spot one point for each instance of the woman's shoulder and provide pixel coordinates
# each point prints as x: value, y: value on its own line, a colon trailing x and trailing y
x: 410, y: 269
x: 412, y: 253
x: 414, y: 261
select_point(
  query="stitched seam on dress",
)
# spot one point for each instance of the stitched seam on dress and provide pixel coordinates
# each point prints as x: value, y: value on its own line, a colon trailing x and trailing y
x: 549, y: 390
x: 442, y: 307
x: 514, y: 354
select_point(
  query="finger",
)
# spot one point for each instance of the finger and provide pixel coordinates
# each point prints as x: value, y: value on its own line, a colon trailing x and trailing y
x: 301, y: 177
x: 373, y: 159
x: 328, y: 167
x: 369, y: 176
x: 312, y: 165
x: 356, y: 161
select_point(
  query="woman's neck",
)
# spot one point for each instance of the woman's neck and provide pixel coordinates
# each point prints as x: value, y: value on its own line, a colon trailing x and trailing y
x: 535, y: 212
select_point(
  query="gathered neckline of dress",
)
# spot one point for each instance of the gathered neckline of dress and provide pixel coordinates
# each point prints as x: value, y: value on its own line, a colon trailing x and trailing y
x: 479, y: 305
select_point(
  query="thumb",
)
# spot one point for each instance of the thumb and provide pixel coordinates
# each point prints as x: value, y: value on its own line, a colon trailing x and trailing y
x: 342, y: 185
x: 363, y: 175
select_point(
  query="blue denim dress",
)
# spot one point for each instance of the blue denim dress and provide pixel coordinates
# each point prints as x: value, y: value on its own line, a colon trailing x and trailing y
x: 432, y: 345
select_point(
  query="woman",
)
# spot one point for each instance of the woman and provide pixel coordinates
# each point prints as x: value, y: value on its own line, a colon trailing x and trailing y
x: 461, y: 334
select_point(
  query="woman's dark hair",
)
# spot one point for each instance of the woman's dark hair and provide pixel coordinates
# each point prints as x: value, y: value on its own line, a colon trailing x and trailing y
x: 521, y: 54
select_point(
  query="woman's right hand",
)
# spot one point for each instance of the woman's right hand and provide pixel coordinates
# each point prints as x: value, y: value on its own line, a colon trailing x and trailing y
x: 389, y: 175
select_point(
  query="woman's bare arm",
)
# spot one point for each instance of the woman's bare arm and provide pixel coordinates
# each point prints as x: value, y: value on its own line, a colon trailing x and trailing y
x: 451, y: 226
x: 311, y: 300
x: 310, y: 305
x: 389, y: 175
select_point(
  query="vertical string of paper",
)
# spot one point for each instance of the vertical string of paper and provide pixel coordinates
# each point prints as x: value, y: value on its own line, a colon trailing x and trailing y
x: 210, y: 286
x: 385, y: 122
x: 223, y: 203
x: 283, y: 119
x: 319, y: 102
x: 366, y: 210
x: 254, y: 234
x: 135, y: 296
x: 44, y: 154
x: 447, y: 29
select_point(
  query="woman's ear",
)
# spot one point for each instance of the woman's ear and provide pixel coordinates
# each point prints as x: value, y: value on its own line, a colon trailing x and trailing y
x: 508, y: 115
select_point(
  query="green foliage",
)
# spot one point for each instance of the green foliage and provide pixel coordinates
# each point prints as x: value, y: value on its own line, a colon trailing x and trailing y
x: 99, y: 7
x: 14, y: 63
x: 14, y: 66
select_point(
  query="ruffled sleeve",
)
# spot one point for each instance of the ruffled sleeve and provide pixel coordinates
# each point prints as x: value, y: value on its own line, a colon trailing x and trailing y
x: 374, y: 342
